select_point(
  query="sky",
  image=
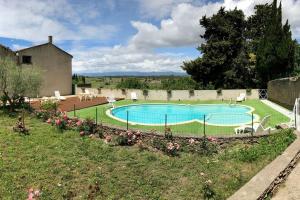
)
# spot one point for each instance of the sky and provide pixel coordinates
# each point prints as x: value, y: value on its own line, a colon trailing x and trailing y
x: 121, y: 35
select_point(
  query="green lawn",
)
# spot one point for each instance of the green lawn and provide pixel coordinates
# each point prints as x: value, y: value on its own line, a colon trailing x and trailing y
x: 194, y: 128
x: 66, y: 166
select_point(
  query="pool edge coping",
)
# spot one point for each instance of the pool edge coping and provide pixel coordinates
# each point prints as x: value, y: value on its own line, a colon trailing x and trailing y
x: 256, y: 117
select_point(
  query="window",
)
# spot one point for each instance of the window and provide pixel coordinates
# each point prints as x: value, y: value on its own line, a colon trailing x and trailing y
x: 26, y: 59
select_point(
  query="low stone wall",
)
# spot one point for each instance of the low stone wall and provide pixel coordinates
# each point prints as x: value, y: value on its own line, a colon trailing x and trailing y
x: 284, y: 91
x: 175, y: 94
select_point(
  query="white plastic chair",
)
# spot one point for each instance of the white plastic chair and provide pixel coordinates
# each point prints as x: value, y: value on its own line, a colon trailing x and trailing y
x: 133, y: 96
x: 111, y: 100
x: 257, y: 127
x: 241, y: 98
x: 58, y: 97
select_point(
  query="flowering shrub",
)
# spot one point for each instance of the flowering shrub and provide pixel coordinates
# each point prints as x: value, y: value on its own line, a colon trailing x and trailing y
x: 33, y: 194
x: 172, y: 148
x: 88, y: 127
x: 49, y: 105
x: 169, y: 147
x: 128, y: 138
x: 60, y: 120
x: 43, y: 114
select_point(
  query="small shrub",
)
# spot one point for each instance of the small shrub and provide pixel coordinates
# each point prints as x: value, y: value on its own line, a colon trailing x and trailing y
x: 20, y: 126
x: 128, y: 138
x: 145, y: 92
x: 87, y: 127
x: 248, y: 91
x: 169, y: 93
x: 172, y: 148
x: 191, y: 93
x: 205, y: 147
x: 123, y: 91
x: 168, y: 147
x: 208, y: 192
x: 49, y: 105
x: 168, y: 133
x: 159, y: 144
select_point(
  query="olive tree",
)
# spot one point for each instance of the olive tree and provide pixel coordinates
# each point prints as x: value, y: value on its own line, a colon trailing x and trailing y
x: 17, y: 82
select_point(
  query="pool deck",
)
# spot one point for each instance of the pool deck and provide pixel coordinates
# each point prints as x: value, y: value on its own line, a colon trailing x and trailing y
x: 278, y: 108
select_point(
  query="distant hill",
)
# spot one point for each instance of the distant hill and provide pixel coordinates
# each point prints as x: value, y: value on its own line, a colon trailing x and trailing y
x: 97, y: 74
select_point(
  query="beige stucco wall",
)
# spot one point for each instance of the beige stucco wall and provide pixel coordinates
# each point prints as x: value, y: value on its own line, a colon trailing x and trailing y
x: 56, y: 68
x: 176, y: 94
x: 284, y: 91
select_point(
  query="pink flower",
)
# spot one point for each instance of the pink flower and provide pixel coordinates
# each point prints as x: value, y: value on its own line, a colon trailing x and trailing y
x: 79, y: 123
x: 81, y: 133
x: 138, y: 133
x: 49, y: 121
x: 65, y: 117
x: 69, y: 121
x: 191, y: 141
x: 57, y: 122
x: 170, y: 146
x: 177, y: 146
x: 33, y: 194
x: 212, y: 139
x: 107, y: 139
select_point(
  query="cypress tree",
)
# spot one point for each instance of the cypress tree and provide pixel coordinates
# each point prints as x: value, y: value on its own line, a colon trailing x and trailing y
x: 276, y: 49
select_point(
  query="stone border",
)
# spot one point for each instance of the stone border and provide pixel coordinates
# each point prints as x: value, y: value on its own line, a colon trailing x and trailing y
x: 220, y: 140
x: 266, y: 181
x: 281, y: 178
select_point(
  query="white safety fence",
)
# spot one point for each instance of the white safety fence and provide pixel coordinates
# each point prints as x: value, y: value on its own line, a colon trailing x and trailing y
x: 296, y: 112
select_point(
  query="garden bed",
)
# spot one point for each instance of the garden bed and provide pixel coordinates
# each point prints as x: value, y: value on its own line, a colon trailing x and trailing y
x: 67, y: 165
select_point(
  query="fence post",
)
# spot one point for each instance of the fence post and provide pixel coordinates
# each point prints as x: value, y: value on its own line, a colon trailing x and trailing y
x: 96, y: 115
x: 204, y: 131
x: 252, y: 116
x: 74, y: 110
x: 166, y: 118
x: 127, y: 113
x: 296, y: 115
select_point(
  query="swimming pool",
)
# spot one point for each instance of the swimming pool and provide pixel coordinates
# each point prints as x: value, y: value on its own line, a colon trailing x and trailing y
x: 159, y: 114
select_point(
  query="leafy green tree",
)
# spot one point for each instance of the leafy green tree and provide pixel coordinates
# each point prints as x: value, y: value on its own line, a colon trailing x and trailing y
x: 297, y: 60
x: 184, y: 83
x: 276, y: 49
x: 132, y: 83
x: 225, y: 58
x: 16, y: 82
x: 256, y: 25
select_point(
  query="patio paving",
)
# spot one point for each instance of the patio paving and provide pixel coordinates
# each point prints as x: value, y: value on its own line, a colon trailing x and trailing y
x: 290, y: 190
x: 68, y: 104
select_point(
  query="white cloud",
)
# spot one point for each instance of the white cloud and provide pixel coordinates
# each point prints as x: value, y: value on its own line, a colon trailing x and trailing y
x: 179, y: 27
x: 158, y: 9
x: 121, y: 58
x: 182, y: 27
x: 34, y: 20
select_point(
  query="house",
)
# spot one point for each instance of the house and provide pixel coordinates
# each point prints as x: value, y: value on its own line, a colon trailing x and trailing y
x: 55, y: 64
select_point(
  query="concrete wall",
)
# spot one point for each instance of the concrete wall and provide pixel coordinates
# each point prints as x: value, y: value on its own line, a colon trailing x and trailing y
x: 176, y: 94
x: 56, y: 68
x: 284, y: 91
x: 6, y: 52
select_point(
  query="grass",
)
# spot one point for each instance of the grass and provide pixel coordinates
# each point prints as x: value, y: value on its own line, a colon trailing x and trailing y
x: 194, y: 128
x: 66, y: 166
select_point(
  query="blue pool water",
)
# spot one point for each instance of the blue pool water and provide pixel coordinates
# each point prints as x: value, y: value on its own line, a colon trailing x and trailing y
x: 156, y: 114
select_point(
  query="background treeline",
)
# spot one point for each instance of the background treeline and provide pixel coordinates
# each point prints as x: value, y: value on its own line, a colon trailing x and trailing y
x: 155, y: 83
x: 245, y: 53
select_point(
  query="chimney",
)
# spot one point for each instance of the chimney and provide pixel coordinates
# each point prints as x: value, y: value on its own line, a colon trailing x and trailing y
x: 50, y: 39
